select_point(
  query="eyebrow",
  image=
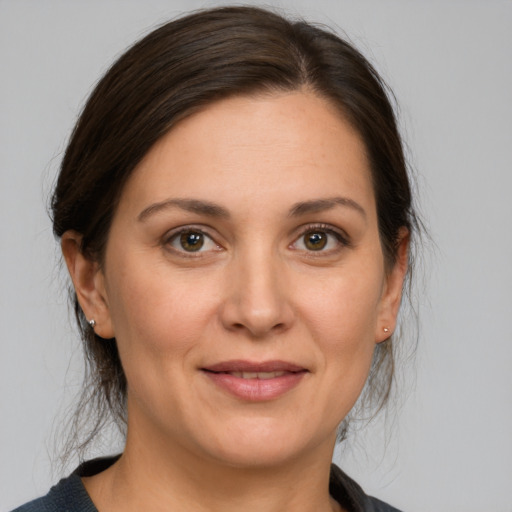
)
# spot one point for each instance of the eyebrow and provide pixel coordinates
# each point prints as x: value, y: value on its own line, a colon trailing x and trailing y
x: 191, y: 205
x: 210, y: 209
x: 319, y: 205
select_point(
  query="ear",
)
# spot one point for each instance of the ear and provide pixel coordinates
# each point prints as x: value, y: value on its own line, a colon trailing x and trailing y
x: 392, y: 290
x: 89, y: 283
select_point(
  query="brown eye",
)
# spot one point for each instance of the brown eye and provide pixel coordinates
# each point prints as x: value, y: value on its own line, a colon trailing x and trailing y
x: 315, y: 241
x: 191, y: 241
x: 321, y: 239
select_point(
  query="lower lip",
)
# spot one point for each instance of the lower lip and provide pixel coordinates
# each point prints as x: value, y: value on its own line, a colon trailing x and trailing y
x: 256, y: 390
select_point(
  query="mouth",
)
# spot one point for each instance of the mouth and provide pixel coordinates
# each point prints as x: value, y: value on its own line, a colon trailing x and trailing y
x: 256, y: 375
x: 255, y: 382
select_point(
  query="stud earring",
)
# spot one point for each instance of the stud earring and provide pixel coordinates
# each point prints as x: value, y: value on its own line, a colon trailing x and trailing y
x: 386, y: 330
x: 92, y: 323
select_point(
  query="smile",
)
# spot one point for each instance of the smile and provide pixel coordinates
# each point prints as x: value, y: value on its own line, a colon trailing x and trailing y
x: 257, y: 375
x: 255, y: 382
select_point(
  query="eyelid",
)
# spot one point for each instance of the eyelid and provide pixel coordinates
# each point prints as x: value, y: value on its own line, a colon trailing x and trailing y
x: 172, y: 234
x: 341, y: 236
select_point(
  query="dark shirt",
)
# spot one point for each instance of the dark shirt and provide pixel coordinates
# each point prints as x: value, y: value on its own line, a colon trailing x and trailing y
x: 69, y: 495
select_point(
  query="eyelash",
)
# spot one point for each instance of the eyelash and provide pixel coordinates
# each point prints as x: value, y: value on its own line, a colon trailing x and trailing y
x: 174, y: 235
x: 341, y: 238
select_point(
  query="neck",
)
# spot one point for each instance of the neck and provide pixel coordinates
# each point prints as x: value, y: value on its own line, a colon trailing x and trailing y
x: 157, y: 477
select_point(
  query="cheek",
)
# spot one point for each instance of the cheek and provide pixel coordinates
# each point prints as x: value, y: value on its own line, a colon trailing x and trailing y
x: 342, y: 314
x: 155, y: 313
x: 343, y: 306
x: 160, y: 330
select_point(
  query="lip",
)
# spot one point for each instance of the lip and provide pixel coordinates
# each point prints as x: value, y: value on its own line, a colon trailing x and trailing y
x: 226, y: 375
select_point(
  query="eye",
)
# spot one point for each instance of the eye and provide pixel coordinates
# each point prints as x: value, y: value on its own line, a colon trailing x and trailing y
x: 191, y: 241
x: 315, y: 241
x: 320, y: 239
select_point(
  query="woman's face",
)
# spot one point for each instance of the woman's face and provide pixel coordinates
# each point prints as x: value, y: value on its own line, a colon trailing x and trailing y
x: 245, y: 283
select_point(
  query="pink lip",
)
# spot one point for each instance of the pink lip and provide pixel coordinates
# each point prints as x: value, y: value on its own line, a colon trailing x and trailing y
x: 254, y: 389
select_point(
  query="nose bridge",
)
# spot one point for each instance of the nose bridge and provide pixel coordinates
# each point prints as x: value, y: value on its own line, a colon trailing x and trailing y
x: 257, y: 301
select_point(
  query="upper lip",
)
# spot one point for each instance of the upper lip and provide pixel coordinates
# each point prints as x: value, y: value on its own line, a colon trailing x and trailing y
x: 239, y: 365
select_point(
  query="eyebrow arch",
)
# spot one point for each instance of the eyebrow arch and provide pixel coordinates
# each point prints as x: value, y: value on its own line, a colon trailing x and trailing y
x: 191, y: 205
x: 318, y: 205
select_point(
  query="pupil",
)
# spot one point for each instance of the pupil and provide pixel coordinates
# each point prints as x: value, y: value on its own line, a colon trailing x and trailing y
x: 316, y: 241
x: 192, y: 241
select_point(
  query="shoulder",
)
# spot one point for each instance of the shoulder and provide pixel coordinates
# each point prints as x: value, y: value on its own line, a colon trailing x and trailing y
x: 375, y: 505
x: 70, y: 494
x: 351, y: 496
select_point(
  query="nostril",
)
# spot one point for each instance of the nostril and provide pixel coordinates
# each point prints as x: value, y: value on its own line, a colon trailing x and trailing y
x: 258, y: 331
x: 258, y: 317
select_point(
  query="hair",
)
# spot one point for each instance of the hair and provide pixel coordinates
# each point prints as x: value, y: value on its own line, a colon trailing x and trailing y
x: 176, y: 70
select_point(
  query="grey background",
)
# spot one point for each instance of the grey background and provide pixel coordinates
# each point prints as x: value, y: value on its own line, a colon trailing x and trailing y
x: 450, y: 64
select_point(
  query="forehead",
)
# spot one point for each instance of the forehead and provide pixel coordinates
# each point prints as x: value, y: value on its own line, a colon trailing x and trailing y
x: 288, y: 145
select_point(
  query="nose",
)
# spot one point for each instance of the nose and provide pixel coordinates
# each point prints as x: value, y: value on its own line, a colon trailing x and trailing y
x: 257, y: 297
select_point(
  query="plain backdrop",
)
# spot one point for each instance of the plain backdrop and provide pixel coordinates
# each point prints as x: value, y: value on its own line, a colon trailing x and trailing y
x: 450, y: 65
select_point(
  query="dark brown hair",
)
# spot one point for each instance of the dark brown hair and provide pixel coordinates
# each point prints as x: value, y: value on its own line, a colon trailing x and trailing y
x: 178, y: 69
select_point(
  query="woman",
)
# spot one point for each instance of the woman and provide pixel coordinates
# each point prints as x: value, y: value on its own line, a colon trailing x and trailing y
x: 235, y: 215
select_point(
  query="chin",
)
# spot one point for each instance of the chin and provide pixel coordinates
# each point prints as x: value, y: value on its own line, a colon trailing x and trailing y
x: 266, y: 444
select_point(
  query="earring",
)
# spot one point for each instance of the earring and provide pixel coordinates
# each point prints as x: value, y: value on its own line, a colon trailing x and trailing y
x: 92, y: 323
x: 386, y: 330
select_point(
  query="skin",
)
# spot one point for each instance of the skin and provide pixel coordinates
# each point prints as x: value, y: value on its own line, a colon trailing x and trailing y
x: 255, y: 291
